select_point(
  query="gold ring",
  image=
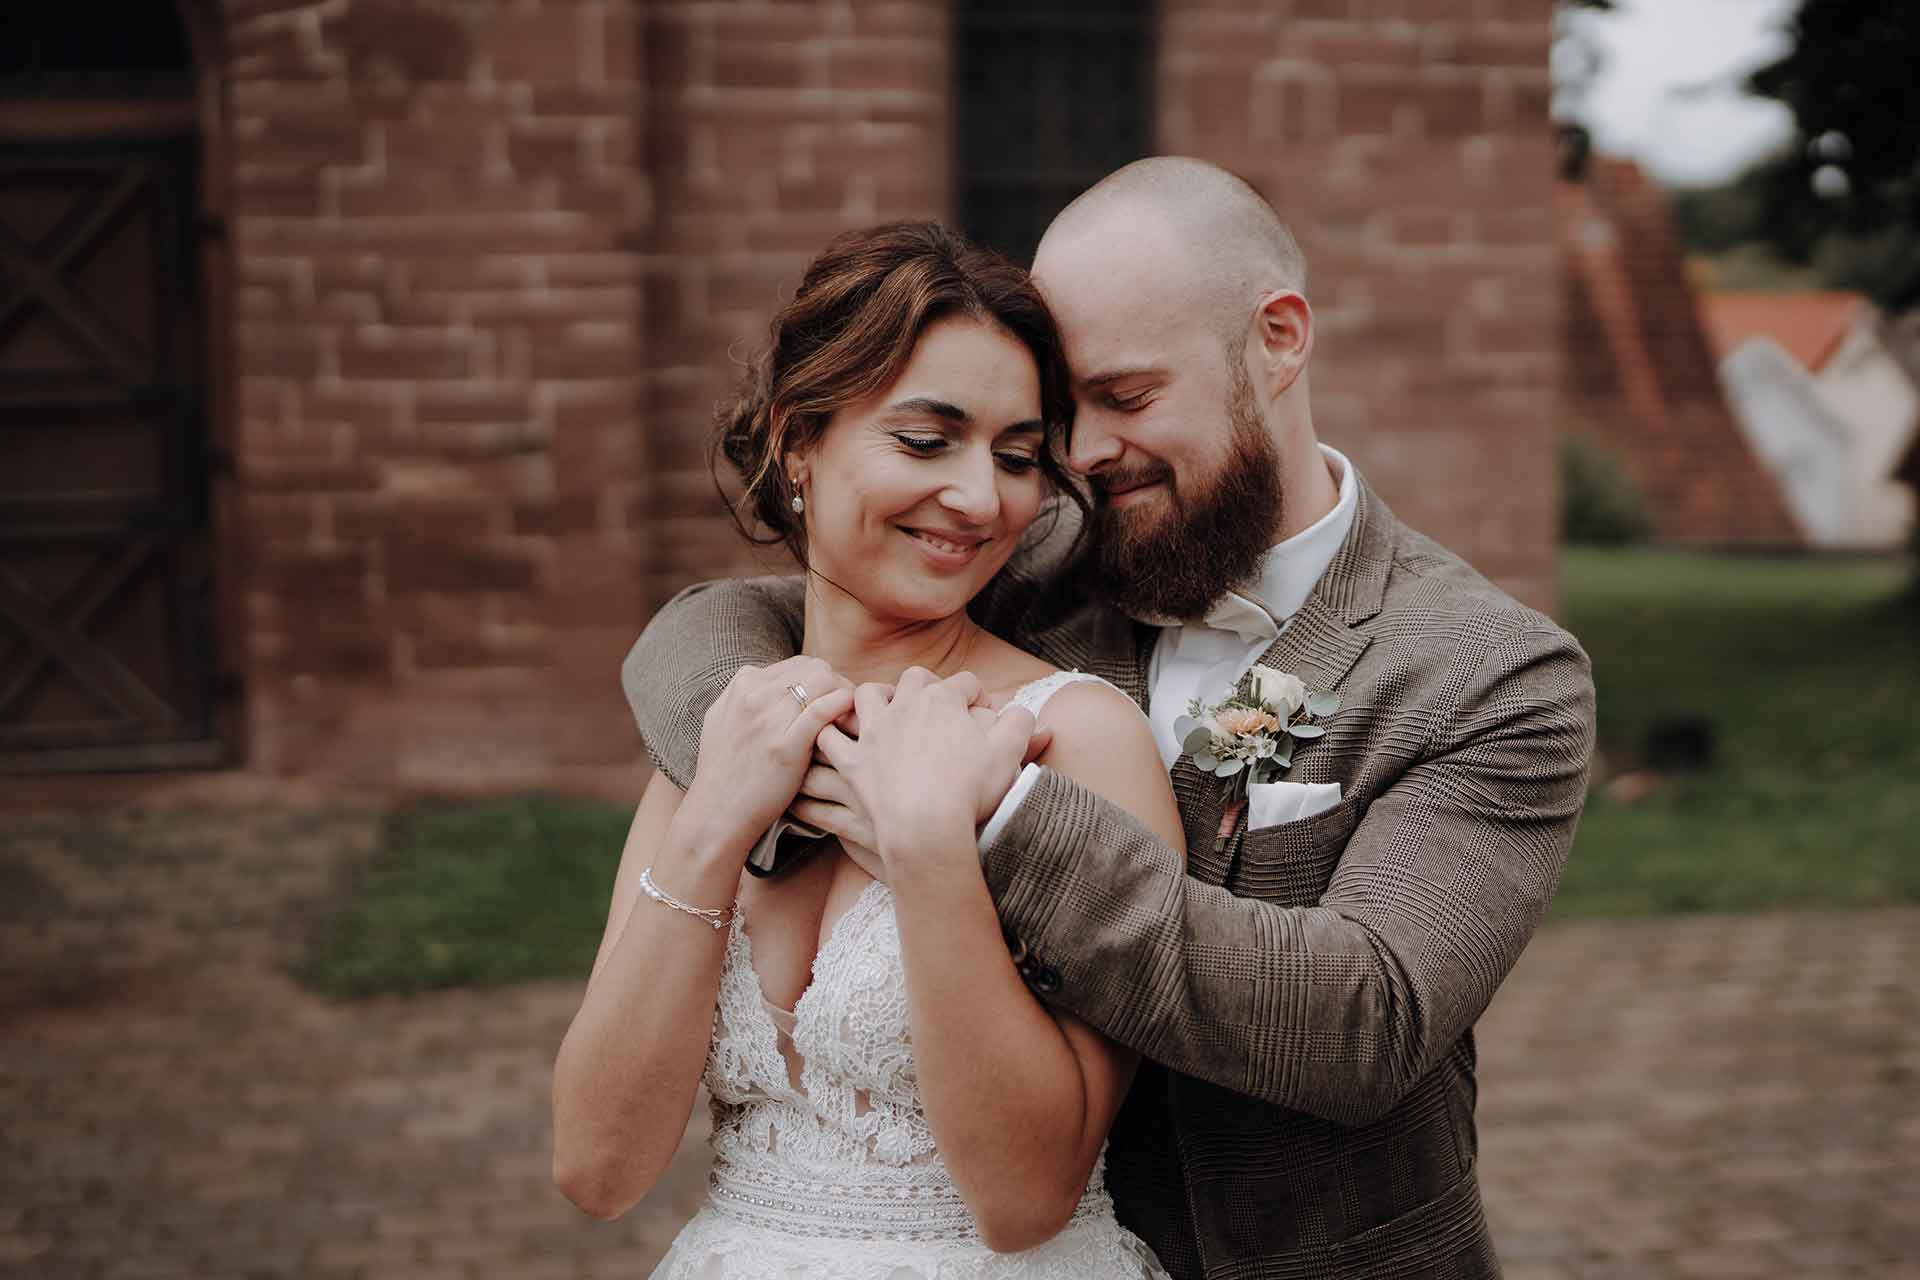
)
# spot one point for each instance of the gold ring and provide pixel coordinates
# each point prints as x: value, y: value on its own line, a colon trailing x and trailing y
x: 799, y: 692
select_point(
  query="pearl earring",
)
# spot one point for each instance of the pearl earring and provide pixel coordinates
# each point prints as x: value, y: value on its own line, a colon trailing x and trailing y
x: 798, y: 505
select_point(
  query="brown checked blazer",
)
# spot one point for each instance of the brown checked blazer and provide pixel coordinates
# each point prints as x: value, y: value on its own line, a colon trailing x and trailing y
x: 1305, y: 994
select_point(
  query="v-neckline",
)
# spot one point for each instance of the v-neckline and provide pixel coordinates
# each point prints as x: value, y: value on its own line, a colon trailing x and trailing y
x: 813, y: 968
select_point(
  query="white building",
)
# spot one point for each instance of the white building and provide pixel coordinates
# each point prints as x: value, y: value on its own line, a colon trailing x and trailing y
x: 1825, y: 404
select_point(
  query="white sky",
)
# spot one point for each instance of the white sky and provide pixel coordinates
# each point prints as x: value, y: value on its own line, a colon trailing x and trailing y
x: 1669, y: 94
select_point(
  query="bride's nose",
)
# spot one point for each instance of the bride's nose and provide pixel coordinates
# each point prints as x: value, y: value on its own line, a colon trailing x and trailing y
x: 972, y: 491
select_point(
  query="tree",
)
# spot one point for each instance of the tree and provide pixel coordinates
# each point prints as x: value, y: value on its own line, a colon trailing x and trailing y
x: 1846, y: 198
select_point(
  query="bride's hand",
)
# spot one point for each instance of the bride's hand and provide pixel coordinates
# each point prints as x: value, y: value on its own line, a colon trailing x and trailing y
x: 828, y: 802
x: 924, y: 762
x: 755, y: 746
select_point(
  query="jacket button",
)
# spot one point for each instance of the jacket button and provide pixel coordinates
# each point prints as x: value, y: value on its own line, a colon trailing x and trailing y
x: 1046, y: 981
x: 1019, y: 952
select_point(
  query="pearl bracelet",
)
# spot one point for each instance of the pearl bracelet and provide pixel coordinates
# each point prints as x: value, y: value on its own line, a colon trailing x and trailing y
x: 719, y: 919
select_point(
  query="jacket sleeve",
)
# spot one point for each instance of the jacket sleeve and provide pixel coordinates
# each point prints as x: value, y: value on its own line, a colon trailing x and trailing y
x: 1339, y: 1008
x: 690, y: 650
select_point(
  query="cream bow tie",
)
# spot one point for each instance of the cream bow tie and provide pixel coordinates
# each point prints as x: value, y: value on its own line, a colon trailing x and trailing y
x: 1234, y: 613
x: 1246, y: 619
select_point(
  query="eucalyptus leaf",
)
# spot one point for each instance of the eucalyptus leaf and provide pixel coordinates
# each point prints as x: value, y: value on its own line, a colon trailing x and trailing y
x: 1197, y: 740
x: 1306, y: 730
x: 1205, y: 761
x: 1322, y: 704
x: 1183, y: 727
x: 1283, y: 756
x: 1230, y: 767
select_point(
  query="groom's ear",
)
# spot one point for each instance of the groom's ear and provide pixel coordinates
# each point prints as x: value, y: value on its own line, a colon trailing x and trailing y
x: 1283, y: 334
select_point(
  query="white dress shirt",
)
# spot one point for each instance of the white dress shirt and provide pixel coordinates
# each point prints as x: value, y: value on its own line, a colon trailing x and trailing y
x: 1204, y: 658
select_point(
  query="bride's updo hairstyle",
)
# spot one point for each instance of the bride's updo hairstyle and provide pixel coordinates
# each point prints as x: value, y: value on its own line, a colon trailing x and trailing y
x: 848, y: 334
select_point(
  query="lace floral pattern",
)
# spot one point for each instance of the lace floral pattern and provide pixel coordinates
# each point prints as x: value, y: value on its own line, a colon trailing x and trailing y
x: 824, y: 1165
x: 858, y: 1102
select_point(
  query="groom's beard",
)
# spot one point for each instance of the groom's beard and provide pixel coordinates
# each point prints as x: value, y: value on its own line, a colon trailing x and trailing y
x: 1176, y: 559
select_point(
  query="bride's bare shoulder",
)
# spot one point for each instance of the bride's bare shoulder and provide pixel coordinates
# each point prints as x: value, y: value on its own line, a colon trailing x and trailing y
x: 1102, y: 741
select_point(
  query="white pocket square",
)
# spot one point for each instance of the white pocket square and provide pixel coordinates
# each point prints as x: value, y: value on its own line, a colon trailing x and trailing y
x: 1271, y: 803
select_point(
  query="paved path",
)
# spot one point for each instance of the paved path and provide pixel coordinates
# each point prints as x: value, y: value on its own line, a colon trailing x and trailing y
x: 1678, y: 1098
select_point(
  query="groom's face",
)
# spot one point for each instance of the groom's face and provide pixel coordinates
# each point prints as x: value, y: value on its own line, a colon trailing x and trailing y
x: 1168, y: 429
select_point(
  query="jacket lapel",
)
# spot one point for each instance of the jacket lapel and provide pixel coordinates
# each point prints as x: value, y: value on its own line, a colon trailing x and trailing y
x: 1126, y: 665
x: 1323, y: 640
x: 1320, y: 645
x: 1101, y: 642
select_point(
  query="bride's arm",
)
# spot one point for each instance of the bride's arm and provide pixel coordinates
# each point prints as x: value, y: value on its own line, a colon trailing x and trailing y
x: 1019, y: 1097
x: 629, y: 1067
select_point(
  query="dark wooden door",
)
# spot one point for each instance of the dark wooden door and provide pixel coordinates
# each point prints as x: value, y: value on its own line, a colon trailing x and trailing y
x: 106, y: 657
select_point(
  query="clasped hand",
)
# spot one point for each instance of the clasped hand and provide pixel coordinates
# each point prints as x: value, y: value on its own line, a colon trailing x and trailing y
x: 914, y: 769
x: 894, y: 771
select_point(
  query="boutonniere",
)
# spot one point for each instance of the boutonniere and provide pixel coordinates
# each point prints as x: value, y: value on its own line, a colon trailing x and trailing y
x: 1249, y: 736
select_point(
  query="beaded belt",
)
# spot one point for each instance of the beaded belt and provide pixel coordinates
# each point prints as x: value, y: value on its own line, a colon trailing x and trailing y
x: 857, y: 1210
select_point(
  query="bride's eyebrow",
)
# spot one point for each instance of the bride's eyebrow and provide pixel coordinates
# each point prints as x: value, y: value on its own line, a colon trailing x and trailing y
x: 929, y: 407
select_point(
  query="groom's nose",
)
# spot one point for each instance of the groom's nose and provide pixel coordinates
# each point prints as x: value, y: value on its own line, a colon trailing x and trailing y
x: 1092, y: 444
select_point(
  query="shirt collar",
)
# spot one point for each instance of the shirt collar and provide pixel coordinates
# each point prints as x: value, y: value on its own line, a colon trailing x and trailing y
x: 1290, y: 570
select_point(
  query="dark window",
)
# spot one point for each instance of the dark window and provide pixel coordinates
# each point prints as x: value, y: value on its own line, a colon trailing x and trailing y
x: 1053, y: 95
x: 92, y: 49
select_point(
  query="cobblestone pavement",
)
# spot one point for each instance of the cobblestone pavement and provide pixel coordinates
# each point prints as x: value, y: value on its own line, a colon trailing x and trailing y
x: 1677, y: 1098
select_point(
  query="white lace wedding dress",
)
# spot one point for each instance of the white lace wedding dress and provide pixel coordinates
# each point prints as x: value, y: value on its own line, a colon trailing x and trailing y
x: 824, y: 1167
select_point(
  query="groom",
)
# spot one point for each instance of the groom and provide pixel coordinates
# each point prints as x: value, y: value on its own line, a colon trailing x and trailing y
x: 1304, y: 991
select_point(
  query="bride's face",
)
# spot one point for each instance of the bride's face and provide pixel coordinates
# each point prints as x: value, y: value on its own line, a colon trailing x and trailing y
x: 916, y: 497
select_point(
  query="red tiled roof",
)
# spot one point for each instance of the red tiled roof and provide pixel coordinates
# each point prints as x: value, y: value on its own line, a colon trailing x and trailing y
x: 1808, y: 323
x: 1640, y: 372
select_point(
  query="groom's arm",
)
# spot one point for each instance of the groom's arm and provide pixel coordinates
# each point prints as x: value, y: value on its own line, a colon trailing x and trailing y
x: 685, y: 657
x: 1337, y: 1009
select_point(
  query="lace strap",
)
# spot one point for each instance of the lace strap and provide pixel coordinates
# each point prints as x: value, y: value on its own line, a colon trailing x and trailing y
x: 1034, y: 695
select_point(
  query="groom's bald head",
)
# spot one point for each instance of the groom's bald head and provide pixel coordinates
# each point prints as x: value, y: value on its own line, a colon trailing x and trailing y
x: 1180, y: 299
x: 1231, y: 247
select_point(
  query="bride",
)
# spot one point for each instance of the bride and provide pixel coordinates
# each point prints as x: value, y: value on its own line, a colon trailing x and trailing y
x: 890, y: 1101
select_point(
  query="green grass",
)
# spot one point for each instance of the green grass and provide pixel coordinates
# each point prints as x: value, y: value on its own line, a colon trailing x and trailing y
x: 475, y: 894
x: 1810, y: 674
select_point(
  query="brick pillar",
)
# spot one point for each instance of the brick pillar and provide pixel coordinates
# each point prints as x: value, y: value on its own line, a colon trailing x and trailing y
x: 1413, y: 158
x: 771, y: 128
x: 438, y: 214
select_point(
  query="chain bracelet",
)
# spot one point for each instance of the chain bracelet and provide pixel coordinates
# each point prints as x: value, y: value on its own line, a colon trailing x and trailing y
x: 718, y: 918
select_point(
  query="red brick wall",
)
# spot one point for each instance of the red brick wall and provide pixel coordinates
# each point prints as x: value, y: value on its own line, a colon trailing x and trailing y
x: 772, y: 128
x: 1409, y: 148
x: 438, y: 214
x: 495, y: 261
x: 490, y: 259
